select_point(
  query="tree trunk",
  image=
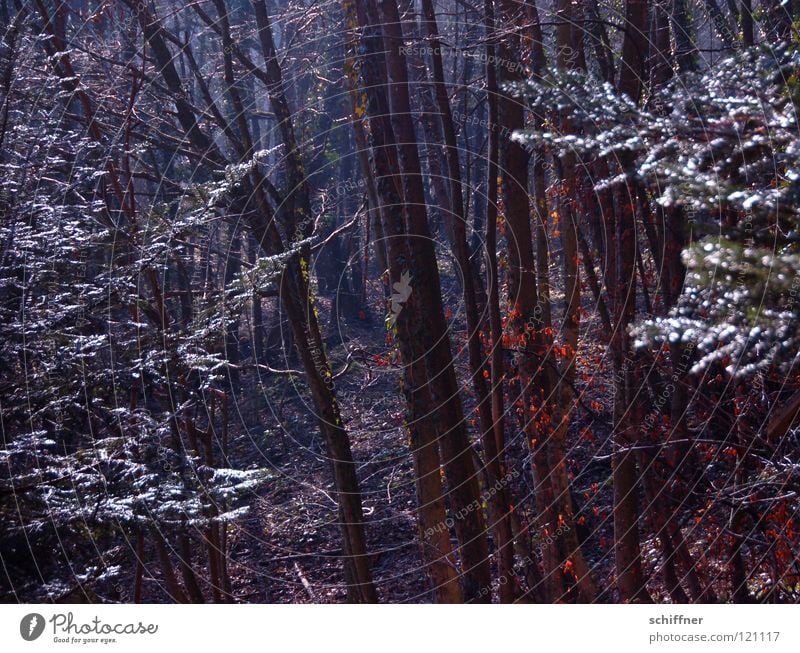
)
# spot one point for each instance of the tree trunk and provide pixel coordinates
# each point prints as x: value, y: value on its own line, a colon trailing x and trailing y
x: 493, y: 438
x: 409, y: 321
x: 456, y: 452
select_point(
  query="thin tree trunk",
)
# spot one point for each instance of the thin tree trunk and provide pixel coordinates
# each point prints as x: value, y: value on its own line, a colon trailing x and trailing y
x: 525, y: 321
x: 173, y: 589
x: 746, y: 22
x: 685, y: 49
x: 492, y: 437
x: 630, y: 577
x: 189, y: 578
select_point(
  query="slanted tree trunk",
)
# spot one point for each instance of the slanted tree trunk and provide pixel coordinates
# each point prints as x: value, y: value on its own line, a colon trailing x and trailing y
x: 293, y: 281
x: 435, y: 543
x: 455, y: 448
x: 295, y: 293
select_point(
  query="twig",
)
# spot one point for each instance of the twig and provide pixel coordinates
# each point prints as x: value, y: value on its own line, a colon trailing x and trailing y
x: 305, y: 582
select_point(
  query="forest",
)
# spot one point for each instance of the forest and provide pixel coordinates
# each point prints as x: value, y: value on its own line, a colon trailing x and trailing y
x: 400, y: 301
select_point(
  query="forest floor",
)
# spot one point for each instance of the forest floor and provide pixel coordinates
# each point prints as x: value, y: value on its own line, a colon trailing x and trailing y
x: 287, y: 549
